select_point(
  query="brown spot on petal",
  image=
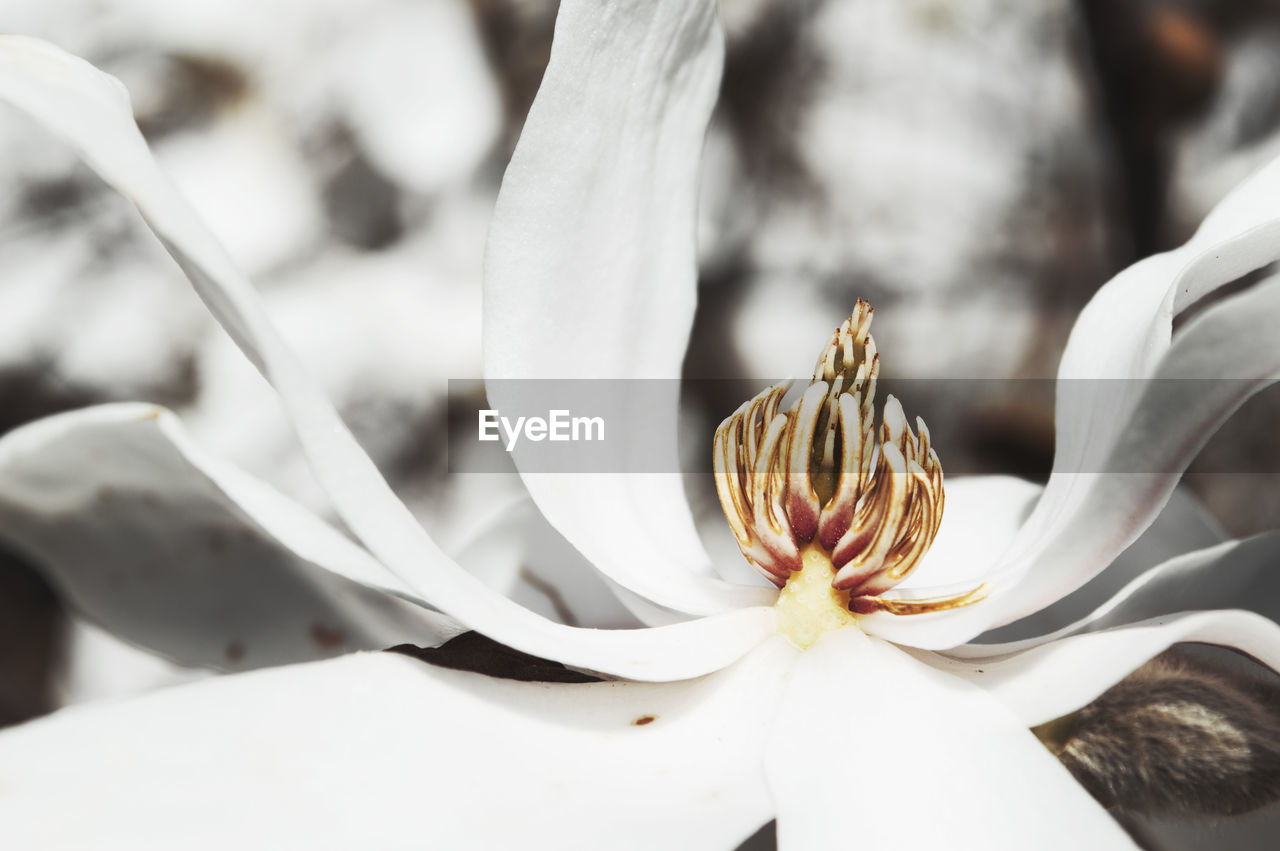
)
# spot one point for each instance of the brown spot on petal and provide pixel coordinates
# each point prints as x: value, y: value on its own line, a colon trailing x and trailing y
x: 327, y: 637
x: 234, y: 651
x: 643, y: 720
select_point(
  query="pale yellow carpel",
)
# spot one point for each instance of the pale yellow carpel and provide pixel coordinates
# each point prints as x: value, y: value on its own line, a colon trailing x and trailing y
x: 809, y: 606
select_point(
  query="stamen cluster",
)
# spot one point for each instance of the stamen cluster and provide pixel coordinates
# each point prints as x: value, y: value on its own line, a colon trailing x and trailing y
x: 815, y: 475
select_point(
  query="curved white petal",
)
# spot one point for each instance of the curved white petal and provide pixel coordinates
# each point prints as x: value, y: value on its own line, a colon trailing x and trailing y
x: 1124, y: 333
x: 1184, y: 526
x: 1054, y: 679
x: 1233, y: 575
x: 379, y: 751
x: 172, y: 550
x: 1125, y: 330
x: 90, y: 110
x: 553, y: 578
x: 875, y: 750
x: 1084, y: 519
x: 982, y: 516
x: 590, y: 272
x: 99, y: 666
x: 1216, y: 362
x: 1230, y: 575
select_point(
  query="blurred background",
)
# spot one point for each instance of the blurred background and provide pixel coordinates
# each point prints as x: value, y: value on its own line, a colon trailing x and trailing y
x: 976, y: 170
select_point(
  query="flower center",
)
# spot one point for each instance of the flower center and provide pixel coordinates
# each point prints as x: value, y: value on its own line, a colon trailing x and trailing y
x: 821, y: 506
x: 810, y: 605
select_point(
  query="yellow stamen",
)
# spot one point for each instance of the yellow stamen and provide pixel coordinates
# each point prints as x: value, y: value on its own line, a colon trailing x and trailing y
x: 832, y: 508
x: 931, y: 604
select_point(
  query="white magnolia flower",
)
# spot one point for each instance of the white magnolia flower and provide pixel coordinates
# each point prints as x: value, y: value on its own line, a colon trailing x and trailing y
x: 888, y: 731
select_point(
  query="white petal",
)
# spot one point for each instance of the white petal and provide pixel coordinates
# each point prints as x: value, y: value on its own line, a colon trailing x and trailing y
x: 1054, y: 679
x: 99, y: 666
x: 590, y: 273
x: 91, y: 111
x: 983, y: 513
x: 1125, y: 329
x: 1084, y: 519
x: 1230, y: 575
x: 1124, y: 333
x: 379, y: 751
x: 875, y: 750
x: 171, y: 550
x: 554, y: 578
x: 1184, y: 526
x: 1216, y: 363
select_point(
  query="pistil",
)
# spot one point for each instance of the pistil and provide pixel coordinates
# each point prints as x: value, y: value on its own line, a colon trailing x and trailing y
x: 809, y: 605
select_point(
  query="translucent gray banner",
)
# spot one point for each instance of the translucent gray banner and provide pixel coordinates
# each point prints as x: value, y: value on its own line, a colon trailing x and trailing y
x: 977, y: 425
